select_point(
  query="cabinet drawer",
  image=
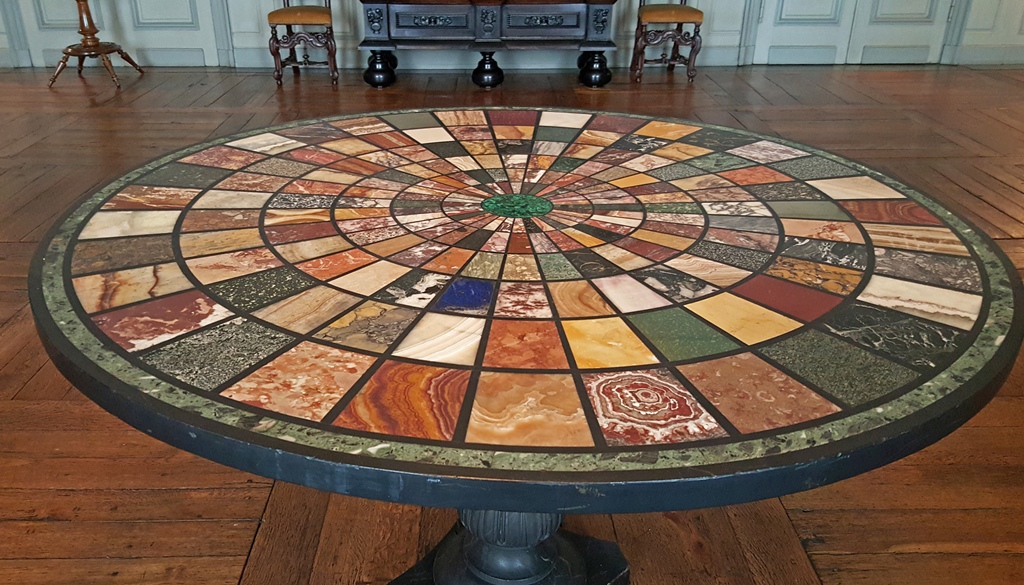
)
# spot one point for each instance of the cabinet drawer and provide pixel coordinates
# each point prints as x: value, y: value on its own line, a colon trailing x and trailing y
x: 544, y: 21
x: 417, y: 21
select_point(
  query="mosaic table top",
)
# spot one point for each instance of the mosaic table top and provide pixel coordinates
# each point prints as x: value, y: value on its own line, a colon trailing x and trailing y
x: 421, y: 305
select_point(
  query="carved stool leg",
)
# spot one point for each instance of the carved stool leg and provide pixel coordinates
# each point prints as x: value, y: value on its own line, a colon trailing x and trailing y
x: 110, y: 69
x: 275, y: 50
x: 81, y: 63
x: 636, y: 66
x: 332, y: 50
x: 691, y: 61
x: 291, y: 50
x: 131, y: 61
x: 60, y: 67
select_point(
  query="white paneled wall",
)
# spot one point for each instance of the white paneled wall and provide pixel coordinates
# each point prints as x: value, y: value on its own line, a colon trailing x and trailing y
x: 235, y: 33
x: 994, y: 34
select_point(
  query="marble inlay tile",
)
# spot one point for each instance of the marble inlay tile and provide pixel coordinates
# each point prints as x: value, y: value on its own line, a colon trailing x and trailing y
x: 743, y: 208
x: 209, y: 269
x: 520, y: 267
x: 754, y: 395
x: 408, y: 400
x: 268, y: 143
x: 785, y: 192
x: 801, y: 302
x: 647, y: 407
x: 252, y: 182
x: 841, y: 370
x: 315, y: 155
x: 606, y: 343
x: 668, y: 130
x: 350, y: 146
x: 899, y: 211
x: 420, y: 254
x: 821, y: 210
x: 146, y: 324
x: 947, y: 271
x: 120, y: 253
x: 744, y: 320
x: 719, y: 161
x: 834, y: 279
x: 903, y: 337
x: 239, y: 345
x: 923, y: 238
x: 467, y: 296
x: 523, y: 300
x: 224, y: 157
x: 414, y: 289
x: 281, y: 167
x: 199, y: 220
x: 743, y: 239
x: 218, y: 199
x: 483, y: 265
x: 449, y: 262
x: 429, y: 135
x: 856, y: 188
x: 462, y: 118
x: 564, y: 119
x: 622, y: 258
x: 308, y: 309
x: 202, y: 243
x: 361, y: 126
x: 448, y: 339
x: 951, y: 307
x: 673, y: 284
x: 755, y: 176
x: 142, y: 197
x: 629, y: 295
x: 744, y: 258
x: 298, y: 251
x: 713, y: 272
x: 257, y: 290
x: 837, y: 231
x: 305, y: 382
x: 813, y: 167
x: 765, y: 151
x: 524, y: 344
x: 679, y: 151
x: 371, y: 278
x: 702, y: 182
x: 114, y: 224
x: 184, y: 176
x: 847, y: 255
x: 679, y: 335
x: 99, y: 292
x: 528, y: 409
x: 371, y: 326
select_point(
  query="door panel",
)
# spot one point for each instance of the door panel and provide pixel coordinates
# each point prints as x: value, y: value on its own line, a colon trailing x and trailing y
x: 803, y: 31
x: 898, y: 31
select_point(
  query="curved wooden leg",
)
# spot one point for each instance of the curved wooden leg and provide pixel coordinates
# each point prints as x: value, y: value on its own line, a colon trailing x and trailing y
x: 131, y: 61
x: 675, y: 48
x: 60, y: 67
x: 691, y: 61
x: 110, y: 69
x: 291, y: 51
x: 81, y: 63
x: 636, y: 65
x: 275, y: 51
x: 332, y: 49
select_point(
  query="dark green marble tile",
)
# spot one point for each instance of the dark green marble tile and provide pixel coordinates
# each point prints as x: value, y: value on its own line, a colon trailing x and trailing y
x: 253, y: 291
x: 412, y: 120
x: 676, y: 171
x: 763, y: 225
x: 719, y: 161
x: 679, y: 335
x: 184, y: 176
x: 843, y: 254
x: 809, y: 210
x: 563, y: 165
x: 398, y: 177
x: 552, y: 134
x: 785, y: 192
x: 744, y: 258
x: 718, y: 139
x: 556, y: 267
x: 841, y: 369
x: 907, y: 339
x: 674, y: 208
x: 217, y: 354
x: 813, y: 167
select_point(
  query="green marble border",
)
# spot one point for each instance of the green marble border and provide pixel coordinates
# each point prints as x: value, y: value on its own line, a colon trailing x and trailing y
x: 461, y: 460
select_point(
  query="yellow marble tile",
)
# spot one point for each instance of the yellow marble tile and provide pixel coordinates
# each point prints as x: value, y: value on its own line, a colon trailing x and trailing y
x: 202, y: 243
x: 634, y: 181
x: 585, y: 239
x: 708, y: 270
x: 834, y: 279
x: 835, y: 231
x: 99, y: 292
x: 513, y: 132
x: 307, y: 310
x: 925, y: 239
x: 338, y: 177
x: 667, y: 240
x: 389, y: 247
x: 528, y: 409
x: 576, y: 298
x: 667, y: 130
x: 350, y: 146
x: 679, y: 151
x: 749, y: 322
x: 606, y: 343
x: 371, y: 278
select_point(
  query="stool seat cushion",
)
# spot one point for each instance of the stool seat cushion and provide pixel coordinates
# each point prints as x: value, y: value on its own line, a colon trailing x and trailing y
x: 314, y: 15
x: 670, y: 13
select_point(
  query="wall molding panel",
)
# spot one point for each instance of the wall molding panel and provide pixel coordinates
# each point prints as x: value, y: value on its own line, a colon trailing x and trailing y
x: 805, y: 12
x: 179, y: 14
x: 61, y: 14
x: 884, y: 14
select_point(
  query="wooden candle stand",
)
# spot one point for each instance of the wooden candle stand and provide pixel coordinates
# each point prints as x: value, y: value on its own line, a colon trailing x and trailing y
x: 91, y: 47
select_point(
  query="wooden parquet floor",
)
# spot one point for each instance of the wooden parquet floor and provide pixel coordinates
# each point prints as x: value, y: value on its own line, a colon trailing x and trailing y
x: 84, y: 499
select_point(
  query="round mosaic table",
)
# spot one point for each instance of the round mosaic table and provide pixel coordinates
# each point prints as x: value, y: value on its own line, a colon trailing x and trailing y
x: 531, y: 311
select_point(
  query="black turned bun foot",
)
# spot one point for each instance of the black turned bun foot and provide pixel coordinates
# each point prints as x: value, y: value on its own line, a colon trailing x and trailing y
x: 381, y: 72
x: 595, y: 71
x: 487, y: 73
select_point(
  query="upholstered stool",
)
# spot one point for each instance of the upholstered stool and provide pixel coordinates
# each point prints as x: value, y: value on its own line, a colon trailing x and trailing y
x: 667, y: 14
x: 311, y: 16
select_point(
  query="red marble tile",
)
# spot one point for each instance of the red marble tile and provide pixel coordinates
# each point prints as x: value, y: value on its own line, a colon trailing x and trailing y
x: 314, y: 155
x: 307, y: 187
x: 751, y: 240
x: 647, y: 249
x: 224, y: 157
x: 754, y: 395
x: 281, y: 234
x: 754, y: 176
x: 389, y: 140
x: 563, y: 241
x: 335, y: 265
x: 615, y: 124
x: 806, y: 304
x: 645, y: 407
x: 512, y: 118
x: 357, y: 166
x: 144, y: 197
x: 891, y: 211
x: 408, y: 400
x: 201, y: 220
x: 145, y: 324
x: 521, y: 343
x: 520, y: 244
x: 253, y: 182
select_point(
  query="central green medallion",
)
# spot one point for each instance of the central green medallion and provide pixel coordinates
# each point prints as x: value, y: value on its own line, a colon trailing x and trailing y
x: 517, y: 205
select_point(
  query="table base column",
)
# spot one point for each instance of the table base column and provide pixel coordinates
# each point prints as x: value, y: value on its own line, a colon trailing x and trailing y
x: 490, y: 547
